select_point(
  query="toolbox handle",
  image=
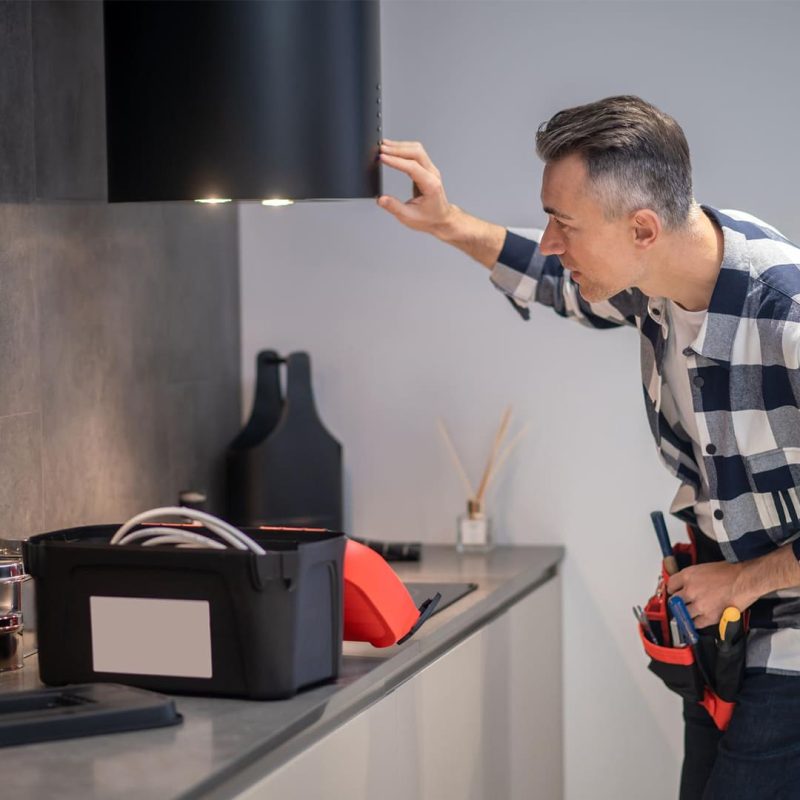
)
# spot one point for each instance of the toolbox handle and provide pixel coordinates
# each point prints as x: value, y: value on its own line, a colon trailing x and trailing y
x: 284, y: 567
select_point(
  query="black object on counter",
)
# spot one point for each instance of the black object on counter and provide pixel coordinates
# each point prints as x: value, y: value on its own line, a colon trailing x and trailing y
x: 264, y: 625
x: 426, y: 610
x: 393, y: 551
x: 284, y: 468
x: 448, y: 592
x: 41, y: 715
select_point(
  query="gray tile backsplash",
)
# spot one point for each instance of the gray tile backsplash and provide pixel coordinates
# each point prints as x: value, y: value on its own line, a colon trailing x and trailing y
x: 114, y: 405
x: 69, y: 102
x: 19, y: 334
x: 119, y: 324
x: 198, y: 331
x: 198, y: 431
x: 21, y: 510
x: 16, y: 102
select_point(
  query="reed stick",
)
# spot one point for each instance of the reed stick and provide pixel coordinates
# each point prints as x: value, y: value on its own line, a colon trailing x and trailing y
x: 507, y: 452
x: 498, y: 440
x: 456, y: 460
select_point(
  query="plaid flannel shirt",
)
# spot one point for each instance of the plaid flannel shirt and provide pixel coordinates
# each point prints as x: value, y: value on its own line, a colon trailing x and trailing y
x: 744, y: 371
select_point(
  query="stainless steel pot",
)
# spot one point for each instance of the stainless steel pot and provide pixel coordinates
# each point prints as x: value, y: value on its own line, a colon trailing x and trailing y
x: 11, y: 651
x: 12, y: 576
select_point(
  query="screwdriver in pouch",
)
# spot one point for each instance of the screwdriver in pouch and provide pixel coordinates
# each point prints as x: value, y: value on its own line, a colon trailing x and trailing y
x: 681, y: 615
x: 730, y: 627
x: 688, y: 631
x: 670, y: 563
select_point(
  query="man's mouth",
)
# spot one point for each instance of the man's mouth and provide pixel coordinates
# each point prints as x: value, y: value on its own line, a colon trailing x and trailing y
x: 573, y: 272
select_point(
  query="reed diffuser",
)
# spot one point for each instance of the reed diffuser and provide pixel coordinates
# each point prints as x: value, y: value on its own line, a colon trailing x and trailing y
x: 474, y: 528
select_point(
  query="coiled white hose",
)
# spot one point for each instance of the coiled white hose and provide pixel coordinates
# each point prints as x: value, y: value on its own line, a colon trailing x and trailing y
x: 183, y: 538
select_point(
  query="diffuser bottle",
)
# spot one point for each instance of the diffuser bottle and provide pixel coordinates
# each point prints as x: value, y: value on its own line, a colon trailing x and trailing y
x: 474, y: 532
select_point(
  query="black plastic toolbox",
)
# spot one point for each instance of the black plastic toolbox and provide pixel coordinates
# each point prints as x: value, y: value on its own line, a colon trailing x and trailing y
x: 273, y: 622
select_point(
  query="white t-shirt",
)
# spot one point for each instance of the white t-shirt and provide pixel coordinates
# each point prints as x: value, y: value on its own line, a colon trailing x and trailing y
x: 684, y: 327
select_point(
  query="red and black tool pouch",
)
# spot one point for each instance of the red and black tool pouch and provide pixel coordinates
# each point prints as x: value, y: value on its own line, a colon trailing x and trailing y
x: 716, y: 680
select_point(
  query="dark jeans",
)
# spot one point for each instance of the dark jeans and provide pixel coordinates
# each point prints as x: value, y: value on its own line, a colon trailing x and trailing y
x: 758, y: 757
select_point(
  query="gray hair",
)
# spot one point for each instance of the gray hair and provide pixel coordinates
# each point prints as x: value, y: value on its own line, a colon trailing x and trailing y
x: 636, y: 156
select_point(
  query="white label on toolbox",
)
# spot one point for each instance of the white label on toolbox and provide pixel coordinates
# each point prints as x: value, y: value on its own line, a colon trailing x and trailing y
x: 149, y: 636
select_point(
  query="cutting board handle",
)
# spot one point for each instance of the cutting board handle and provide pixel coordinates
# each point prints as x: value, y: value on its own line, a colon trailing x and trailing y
x: 267, y: 404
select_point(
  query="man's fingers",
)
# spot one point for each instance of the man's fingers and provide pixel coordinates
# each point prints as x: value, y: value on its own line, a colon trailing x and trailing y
x: 406, y: 147
x: 396, y: 208
x: 706, y: 620
x: 390, y: 204
x: 411, y: 150
x: 425, y: 180
x: 675, y: 583
x: 428, y: 206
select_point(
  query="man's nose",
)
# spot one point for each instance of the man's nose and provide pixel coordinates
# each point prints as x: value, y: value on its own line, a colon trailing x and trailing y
x: 552, y: 243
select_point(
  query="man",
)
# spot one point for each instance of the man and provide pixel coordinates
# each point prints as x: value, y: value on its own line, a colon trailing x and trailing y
x: 716, y: 298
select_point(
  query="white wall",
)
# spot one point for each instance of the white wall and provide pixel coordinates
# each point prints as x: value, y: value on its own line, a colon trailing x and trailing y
x: 402, y: 330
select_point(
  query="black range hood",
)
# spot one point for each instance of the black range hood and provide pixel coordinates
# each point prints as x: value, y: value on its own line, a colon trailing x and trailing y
x: 242, y: 99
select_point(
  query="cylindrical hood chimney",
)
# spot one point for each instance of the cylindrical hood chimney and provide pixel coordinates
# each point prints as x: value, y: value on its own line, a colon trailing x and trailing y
x: 242, y: 99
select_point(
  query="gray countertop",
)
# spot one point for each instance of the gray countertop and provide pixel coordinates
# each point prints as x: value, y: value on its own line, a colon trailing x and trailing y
x: 225, y: 745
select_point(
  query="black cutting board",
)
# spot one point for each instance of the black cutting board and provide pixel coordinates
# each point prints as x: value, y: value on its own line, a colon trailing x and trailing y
x: 91, y: 709
x: 285, y: 468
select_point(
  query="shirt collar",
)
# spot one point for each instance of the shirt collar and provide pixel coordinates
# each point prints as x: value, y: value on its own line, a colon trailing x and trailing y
x: 716, y: 335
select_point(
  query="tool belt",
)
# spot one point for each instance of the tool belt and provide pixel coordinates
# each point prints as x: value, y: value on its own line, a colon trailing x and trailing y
x: 703, y: 673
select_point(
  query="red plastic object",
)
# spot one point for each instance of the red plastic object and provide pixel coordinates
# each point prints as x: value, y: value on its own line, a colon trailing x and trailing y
x: 377, y: 606
x: 720, y: 710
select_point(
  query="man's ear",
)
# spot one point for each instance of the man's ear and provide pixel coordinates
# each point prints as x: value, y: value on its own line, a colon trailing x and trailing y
x: 646, y: 227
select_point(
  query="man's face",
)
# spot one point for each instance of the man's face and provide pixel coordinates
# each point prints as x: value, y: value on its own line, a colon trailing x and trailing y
x: 600, y: 254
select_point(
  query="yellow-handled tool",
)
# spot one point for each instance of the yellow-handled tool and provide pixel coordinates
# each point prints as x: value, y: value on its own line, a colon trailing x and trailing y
x: 730, y: 626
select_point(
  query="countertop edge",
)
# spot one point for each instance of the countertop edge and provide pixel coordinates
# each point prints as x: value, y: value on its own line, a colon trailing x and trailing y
x: 351, y: 700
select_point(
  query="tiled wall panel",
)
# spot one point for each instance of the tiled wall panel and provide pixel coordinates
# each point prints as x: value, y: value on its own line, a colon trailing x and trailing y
x: 119, y: 324
x: 16, y: 102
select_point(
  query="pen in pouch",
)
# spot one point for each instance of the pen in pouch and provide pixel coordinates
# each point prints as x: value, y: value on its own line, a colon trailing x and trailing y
x: 648, y: 624
x: 688, y: 632
x: 645, y: 623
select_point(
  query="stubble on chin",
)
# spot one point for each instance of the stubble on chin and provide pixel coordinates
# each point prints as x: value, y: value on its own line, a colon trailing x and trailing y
x: 593, y: 293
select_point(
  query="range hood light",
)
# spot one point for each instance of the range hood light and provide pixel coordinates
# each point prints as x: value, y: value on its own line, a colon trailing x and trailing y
x: 214, y: 200
x: 275, y: 202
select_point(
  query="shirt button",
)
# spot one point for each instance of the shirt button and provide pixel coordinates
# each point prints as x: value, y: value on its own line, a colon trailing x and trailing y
x: 718, y: 514
x: 698, y: 381
x: 657, y: 311
x: 688, y: 351
x: 711, y: 449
